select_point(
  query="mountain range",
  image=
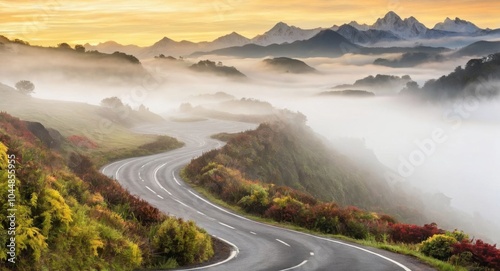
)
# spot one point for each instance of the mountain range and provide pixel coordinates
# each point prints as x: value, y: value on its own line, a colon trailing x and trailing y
x: 389, y: 28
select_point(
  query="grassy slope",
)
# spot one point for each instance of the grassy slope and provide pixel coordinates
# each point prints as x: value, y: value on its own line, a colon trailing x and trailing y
x: 107, y: 129
x: 246, y: 153
x: 292, y: 155
x: 83, y: 213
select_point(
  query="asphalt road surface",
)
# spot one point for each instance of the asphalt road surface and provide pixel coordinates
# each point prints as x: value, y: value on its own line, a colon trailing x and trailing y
x: 256, y: 246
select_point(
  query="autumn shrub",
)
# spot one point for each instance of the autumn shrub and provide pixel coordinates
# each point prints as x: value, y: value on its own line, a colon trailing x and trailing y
x: 82, y: 213
x: 113, y: 193
x: 356, y: 229
x: 257, y: 201
x: 482, y: 254
x: 182, y: 241
x: 413, y: 234
x: 161, y: 143
x: 438, y: 246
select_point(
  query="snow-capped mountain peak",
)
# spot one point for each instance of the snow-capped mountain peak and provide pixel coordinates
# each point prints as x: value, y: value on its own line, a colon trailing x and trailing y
x: 457, y: 25
x: 358, y: 26
x: 390, y: 19
x: 282, y: 32
x: 407, y: 28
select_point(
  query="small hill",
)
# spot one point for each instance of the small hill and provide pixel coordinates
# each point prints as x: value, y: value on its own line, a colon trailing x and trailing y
x: 208, y: 66
x: 479, y: 78
x: 244, y: 110
x: 20, y: 60
x: 480, y: 48
x: 285, y: 152
x: 106, y: 128
x: 288, y: 65
x: 410, y: 59
x: 379, y: 84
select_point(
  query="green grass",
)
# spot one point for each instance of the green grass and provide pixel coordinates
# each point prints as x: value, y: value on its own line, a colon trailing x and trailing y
x: 404, y: 249
x: 113, y: 138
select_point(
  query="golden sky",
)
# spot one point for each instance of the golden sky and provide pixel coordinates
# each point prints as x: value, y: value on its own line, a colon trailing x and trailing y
x: 49, y: 22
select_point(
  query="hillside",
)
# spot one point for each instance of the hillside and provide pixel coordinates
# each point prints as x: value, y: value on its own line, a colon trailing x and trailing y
x: 281, y: 172
x: 99, y: 131
x: 20, y: 61
x: 411, y: 59
x: 479, y: 79
x: 288, y: 65
x: 288, y: 153
x: 208, y: 66
x: 479, y: 48
x: 378, y: 84
x: 244, y: 110
x: 68, y: 216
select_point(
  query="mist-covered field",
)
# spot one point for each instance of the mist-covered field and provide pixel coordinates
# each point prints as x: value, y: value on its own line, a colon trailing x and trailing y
x: 449, y: 147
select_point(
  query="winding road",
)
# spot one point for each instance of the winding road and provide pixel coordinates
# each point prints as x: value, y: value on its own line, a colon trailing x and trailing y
x: 256, y: 246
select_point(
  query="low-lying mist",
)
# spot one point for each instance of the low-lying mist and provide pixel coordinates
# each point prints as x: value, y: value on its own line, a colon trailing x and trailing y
x: 453, y: 148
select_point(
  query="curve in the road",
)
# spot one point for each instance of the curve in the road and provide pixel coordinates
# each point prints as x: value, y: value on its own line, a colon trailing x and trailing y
x: 257, y: 246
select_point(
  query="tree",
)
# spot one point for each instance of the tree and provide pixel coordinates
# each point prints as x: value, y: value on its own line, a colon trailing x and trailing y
x: 25, y: 87
x: 80, y: 48
x: 63, y: 45
x: 112, y: 102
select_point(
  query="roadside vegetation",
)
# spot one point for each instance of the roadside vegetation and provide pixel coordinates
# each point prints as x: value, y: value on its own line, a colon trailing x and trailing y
x: 267, y: 173
x: 71, y: 217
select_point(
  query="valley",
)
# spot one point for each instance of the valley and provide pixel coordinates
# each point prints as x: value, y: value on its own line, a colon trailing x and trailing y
x: 226, y: 136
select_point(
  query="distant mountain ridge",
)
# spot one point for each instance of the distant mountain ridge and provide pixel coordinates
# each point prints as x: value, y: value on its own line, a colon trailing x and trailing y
x: 457, y: 25
x: 282, y: 33
x: 327, y: 43
x: 389, y: 28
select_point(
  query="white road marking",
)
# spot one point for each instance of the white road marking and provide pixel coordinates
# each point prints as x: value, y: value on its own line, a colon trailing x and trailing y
x: 312, y: 253
x: 181, y: 203
x: 118, y: 170
x: 219, y: 208
x: 156, y: 179
x: 297, y: 266
x: 365, y: 250
x: 283, y: 242
x: 226, y: 225
x: 233, y: 255
x: 306, y: 234
x: 103, y: 170
x: 201, y: 213
x: 175, y: 179
x: 166, y: 190
x: 253, y: 233
x: 150, y: 189
x: 160, y: 196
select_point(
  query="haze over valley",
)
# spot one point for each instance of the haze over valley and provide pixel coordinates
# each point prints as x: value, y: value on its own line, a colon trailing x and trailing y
x: 390, y: 115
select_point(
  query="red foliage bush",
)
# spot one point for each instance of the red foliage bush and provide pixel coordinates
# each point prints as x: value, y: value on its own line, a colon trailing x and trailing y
x: 413, y: 234
x: 483, y: 253
x: 15, y: 127
x: 113, y: 193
